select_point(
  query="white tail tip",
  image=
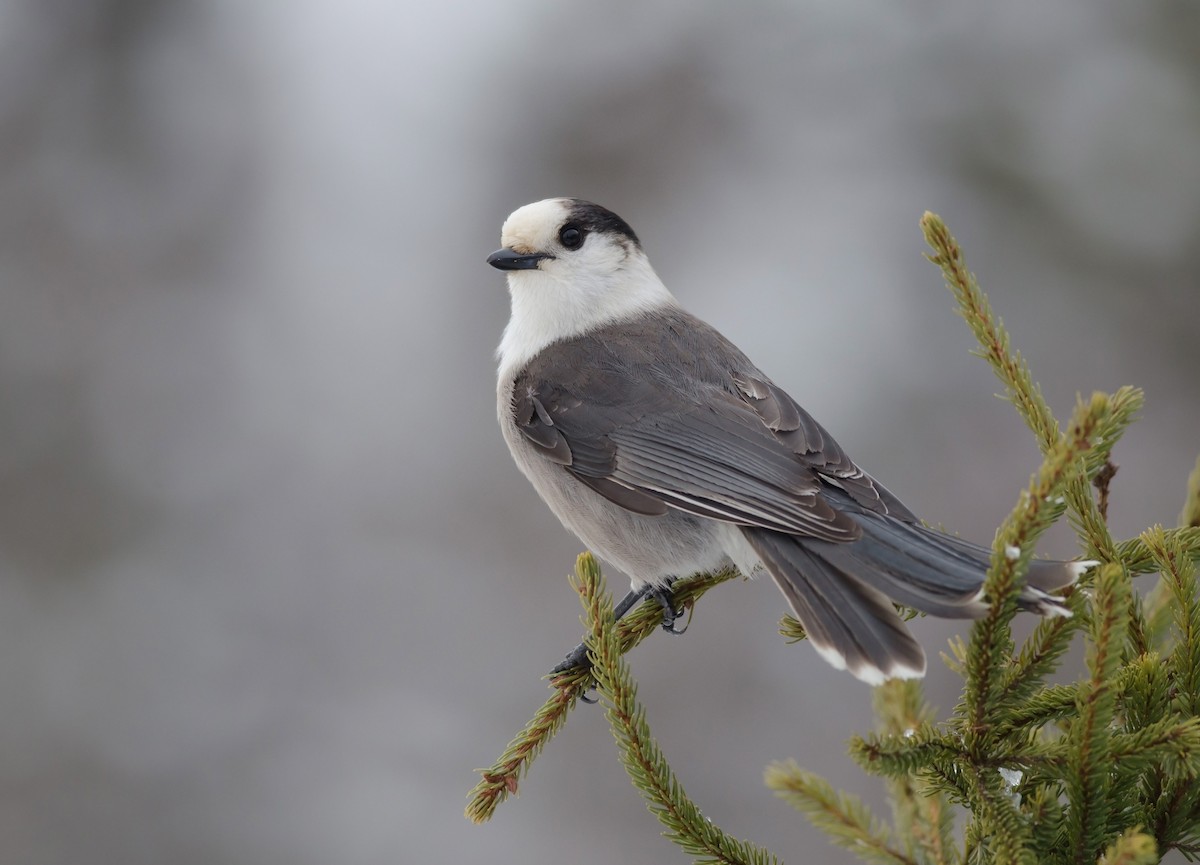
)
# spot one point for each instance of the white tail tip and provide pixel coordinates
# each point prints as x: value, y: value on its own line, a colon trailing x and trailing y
x: 1078, y: 568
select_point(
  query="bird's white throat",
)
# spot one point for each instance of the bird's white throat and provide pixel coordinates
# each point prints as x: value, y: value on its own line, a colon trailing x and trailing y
x: 547, y: 309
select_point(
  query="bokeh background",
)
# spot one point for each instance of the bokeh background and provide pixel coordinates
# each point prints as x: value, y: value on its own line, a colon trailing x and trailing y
x: 270, y: 586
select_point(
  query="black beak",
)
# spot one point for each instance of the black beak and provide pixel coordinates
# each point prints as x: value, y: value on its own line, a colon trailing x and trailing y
x: 507, y: 259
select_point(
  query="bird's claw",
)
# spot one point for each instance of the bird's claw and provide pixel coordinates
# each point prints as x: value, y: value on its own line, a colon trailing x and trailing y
x: 670, y: 613
x: 577, y: 659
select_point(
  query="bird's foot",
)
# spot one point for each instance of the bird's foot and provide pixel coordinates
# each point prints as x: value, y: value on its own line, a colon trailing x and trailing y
x: 577, y: 659
x: 670, y: 612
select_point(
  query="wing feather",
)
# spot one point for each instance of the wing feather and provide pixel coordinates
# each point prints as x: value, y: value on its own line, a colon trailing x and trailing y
x: 723, y: 442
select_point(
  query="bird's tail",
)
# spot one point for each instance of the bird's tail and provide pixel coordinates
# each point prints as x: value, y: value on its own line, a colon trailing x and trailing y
x: 842, y: 592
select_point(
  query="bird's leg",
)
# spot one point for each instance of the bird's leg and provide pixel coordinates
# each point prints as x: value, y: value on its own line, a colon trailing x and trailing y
x: 577, y: 658
x: 631, y: 598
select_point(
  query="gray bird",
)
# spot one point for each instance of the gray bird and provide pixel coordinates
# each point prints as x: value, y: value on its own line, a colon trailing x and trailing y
x: 655, y: 440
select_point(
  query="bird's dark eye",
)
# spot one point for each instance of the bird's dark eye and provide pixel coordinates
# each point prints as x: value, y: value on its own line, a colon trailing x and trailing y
x: 571, y: 236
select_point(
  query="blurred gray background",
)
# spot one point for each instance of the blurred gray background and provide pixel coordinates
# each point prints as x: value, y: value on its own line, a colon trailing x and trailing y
x: 270, y: 587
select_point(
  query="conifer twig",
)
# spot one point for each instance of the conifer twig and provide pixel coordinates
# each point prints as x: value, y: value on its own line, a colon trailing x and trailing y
x: 1090, y: 780
x: 990, y: 640
x: 647, y: 768
x: 1020, y: 389
x: 930, y: 748
x: 1102, y: 481
x: 791, y: 629
x: 1190, y: 516
x: 1179, y: 581
x: 1012, y: 834
x: 1168, y: 742
x: 844, y: 818
x: 1138, y: 559
x: 1132, y: 847
x: 502, y: 779
x: 973, y: 306
x: 1044, y: 706
x: 894, y: 756
x: 920, y: 812
x: 1041, y: 653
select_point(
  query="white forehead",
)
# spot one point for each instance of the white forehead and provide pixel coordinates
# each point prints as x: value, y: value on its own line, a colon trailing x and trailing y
x: 535, y: 222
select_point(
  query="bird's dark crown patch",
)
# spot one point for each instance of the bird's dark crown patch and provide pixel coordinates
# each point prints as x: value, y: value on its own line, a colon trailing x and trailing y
x: 593, y: 217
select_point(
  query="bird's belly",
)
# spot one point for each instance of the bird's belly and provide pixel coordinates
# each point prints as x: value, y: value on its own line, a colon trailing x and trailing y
x: 649, y: 549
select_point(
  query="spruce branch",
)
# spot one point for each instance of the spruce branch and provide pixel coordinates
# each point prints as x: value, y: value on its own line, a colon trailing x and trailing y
x: 843, y: 817
x: 1044, y: 706
x: 1089, y: 782
x: 1047, y: 818
x: 920, y: 812
x: 1172, y: 744
x: 1040, y: 654
x: 1132, y: 847
x: 1190, y: 516
x: 991, y: 642
x: 502, y: 779
x: 1144, y: 691
x: 640, y: 754
x: 1010, y: 367
x: 791, y: 629
x: 1084, y: 513
x: 932, y: 749
x: 1179, y: 577
x: 1138, y: 559
x: 924, y: 748
x: 1021, y: 390
x: 1009, y: 833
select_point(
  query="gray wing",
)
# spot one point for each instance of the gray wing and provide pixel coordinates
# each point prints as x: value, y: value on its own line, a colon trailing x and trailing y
x: 810, y: 442
x: 726, y: 445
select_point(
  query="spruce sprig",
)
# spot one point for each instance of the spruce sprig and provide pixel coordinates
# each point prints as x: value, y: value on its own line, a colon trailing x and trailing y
x: 1139, y: 559
x: 990, y: 643
x: 1089, y: 780
x: 502, y: 779
x: 1040, y: 654
x: 1010, y: 367
x: 640, y: 754
x: 1132, y: 847
x: 1179, y: 577
x: 923, y: 817
x: 1190, y: 516
x: 844, y: 817
x: 1021, y: 390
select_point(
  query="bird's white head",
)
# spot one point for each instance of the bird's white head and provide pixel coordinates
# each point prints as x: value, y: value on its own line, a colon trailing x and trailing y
x: 572, y: 266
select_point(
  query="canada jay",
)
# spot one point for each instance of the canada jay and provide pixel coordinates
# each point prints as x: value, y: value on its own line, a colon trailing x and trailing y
x: 658, y: 443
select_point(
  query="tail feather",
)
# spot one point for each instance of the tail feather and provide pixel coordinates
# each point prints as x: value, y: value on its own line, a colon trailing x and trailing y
x: 938, y: 573
x: 851, y: 624
x: 842, y: 592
